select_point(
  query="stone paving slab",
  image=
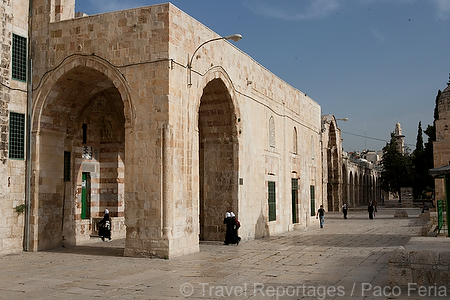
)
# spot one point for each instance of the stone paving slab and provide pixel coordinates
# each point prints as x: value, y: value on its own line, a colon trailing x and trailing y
x: 347, y: 259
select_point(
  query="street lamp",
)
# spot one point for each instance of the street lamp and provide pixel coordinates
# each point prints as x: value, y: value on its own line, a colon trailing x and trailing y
x: 234, y: 37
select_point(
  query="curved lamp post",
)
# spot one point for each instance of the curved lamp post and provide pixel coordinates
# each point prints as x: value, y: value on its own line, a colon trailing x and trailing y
x: 234, y: 37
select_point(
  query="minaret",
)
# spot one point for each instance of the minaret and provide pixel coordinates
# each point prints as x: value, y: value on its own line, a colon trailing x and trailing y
x: 399, y: 138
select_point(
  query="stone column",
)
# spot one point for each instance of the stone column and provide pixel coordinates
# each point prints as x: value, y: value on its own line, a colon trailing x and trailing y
x: 167, y: 212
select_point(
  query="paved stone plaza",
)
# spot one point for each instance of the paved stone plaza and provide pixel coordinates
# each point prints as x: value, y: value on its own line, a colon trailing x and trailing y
x: 347, y: 259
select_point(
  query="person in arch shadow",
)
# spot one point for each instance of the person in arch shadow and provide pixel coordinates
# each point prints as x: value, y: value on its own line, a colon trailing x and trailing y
x: 104, y: 227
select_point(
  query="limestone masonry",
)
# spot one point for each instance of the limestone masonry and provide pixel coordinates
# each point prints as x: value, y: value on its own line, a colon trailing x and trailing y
x: 104, y: 111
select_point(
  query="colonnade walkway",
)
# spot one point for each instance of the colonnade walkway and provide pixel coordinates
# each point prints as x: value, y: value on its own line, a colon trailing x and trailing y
x: 347, y: 259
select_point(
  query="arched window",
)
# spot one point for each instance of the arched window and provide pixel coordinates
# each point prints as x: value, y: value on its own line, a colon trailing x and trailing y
x: 272, y: 132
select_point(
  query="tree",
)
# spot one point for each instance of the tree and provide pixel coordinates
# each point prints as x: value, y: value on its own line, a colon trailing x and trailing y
x: 396, y: 169
x: 419, y: 139
x: 423, y: 182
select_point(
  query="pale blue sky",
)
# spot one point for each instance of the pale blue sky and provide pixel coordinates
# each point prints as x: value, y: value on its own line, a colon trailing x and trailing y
x: 376, y: 62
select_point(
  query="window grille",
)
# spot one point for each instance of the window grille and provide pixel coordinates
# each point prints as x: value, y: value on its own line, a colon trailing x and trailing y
x: 87, y: 153
x: 16, y: 135
x: 19, y: 58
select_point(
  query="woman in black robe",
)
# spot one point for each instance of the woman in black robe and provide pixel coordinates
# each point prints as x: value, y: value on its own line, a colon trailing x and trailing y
x: 104, y: 227
x: 370, y: 210
x: 229, y: 235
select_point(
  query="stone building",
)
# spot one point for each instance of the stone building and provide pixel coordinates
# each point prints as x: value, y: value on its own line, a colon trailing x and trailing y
x: 13, y: 112
x: 441, y: 147
x: 113, y: 115
x: 347, y: 178
x: 399, y: 138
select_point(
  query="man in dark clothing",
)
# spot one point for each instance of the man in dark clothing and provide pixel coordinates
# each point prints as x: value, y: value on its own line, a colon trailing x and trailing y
x: 321, y: 214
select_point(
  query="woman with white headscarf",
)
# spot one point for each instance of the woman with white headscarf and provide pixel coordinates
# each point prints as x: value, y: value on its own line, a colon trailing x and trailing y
x: 104, y: 227
x: 229, y: 233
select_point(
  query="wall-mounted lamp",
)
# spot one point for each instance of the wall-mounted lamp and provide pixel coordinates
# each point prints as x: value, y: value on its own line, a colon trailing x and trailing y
x: 234, y: 37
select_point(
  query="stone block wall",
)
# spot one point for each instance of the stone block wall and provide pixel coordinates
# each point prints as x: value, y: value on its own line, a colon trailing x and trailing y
x: 137, y: 60
x: 257, y: 96
x: 13, y: 98
x: 441, y: 147
x: 423, y: 267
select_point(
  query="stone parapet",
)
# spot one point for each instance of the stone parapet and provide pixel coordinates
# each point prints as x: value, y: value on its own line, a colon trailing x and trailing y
x: 424, y: 261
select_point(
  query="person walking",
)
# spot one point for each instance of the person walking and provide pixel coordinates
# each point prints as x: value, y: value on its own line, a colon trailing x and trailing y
x: 344, y: 210
x: 104, y: 227
x: 370, y: 210
x: 321, y: 214
x: 229, y: 229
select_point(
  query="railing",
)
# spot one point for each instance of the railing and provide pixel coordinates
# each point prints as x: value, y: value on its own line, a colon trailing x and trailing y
x: 442, y: 224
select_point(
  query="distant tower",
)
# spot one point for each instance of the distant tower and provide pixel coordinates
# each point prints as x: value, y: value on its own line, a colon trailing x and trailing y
x: 399, y: 138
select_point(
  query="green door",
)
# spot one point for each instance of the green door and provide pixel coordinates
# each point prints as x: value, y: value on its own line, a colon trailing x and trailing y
x: 86, y: 196
x: 272, y: 202
x: 313, y: 200
x: 294, y: 184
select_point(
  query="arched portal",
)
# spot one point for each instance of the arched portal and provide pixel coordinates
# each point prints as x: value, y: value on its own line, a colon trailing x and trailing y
x: 218, y: 159
x: 79, y: 156
x: 333, y: 170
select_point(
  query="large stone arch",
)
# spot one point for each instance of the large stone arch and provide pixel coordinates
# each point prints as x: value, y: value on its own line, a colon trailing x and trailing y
x: 80, y: 115
x: 218, y: 155
x: 219, y: 73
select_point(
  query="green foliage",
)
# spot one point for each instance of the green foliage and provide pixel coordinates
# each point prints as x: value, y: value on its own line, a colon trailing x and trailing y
x: 436, y: 112
x: 20, y: 209
x: 397, y: 170
x: 422, y: 159
x: 419, y: 140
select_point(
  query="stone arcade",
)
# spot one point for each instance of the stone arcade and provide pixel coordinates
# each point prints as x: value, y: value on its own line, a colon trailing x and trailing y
x: 115, y: 125
x: 114, y: 118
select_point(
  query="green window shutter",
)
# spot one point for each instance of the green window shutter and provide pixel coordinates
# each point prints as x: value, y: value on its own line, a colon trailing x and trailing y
x: 313, y: 201
x: 19, y: 58
x: 272, y: 202
x: 16, y: 135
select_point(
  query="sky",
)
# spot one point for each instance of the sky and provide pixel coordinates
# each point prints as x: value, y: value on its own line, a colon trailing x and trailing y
x: 375, y: 62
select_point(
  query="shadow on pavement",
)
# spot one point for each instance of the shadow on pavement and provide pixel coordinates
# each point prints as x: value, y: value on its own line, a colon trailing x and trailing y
x: 114, y: 248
